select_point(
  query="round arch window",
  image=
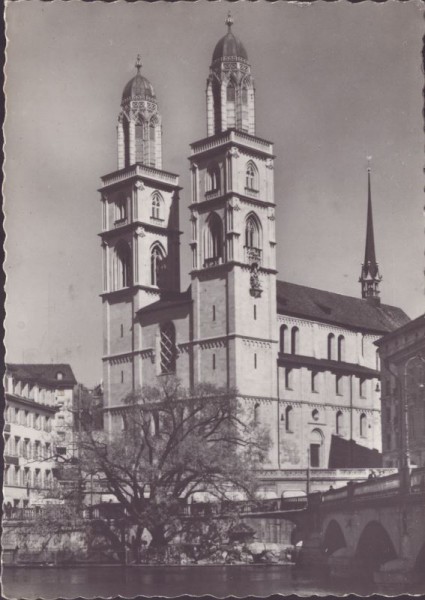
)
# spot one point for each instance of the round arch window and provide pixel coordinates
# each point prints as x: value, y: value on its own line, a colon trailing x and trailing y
x: 315, y: 414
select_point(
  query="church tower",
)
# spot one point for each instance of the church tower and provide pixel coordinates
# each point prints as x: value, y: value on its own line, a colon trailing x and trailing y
x: 370, y: 277
x: 140, y: 236
x: 233, y: 240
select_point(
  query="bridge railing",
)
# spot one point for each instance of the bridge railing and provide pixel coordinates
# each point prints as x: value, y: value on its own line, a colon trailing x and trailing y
x: 382, y: 486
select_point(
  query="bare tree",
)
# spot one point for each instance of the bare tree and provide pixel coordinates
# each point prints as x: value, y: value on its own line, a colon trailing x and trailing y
x: 172, y: 444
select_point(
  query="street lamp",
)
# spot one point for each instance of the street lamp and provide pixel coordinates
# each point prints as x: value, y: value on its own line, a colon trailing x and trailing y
x: 405, y: 446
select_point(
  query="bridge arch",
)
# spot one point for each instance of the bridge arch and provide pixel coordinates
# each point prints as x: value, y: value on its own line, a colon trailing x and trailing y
x: 334, y: 538
x: 375, y: 547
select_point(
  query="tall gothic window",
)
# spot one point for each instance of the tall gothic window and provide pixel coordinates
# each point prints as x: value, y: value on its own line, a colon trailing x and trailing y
x: 331, y: 346
x: 124, y: 275
x: 157, y: 264
x: 363, y: 425
x: 157, y: 203
x: 213, y: 240
x: 341, y: 347
x: 288, y: 418
x: 338, y: 423
x: 168, y: 348
x: 213, y: 179
x: 121, y: 209
x: 252, y: 232
x: 295, y: 340
x: 231, y: 102
x: 251, y: 178
x: 282, y: 338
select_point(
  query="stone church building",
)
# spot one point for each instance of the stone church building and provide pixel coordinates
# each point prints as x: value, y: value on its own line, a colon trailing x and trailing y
x: 303, y: 359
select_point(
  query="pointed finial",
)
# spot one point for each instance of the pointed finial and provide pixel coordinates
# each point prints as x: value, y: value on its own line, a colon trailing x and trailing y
x: 369, y: 159
x: 229, y: 20
x: 138, y: 64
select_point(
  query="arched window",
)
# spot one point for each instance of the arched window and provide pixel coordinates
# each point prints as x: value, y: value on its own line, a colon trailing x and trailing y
x: 157, y: 264
x: 363, y: 425
x: 288, y: 418
x: 121, y: 209
x: 252, y: 232
x: 341, y: 348
x: 294, y: 340
x: 213, y: 179
x: 315, y: 415
x: 231, y: 92
x: 251, y: 181
x: 338, y: 423
x: 378, y: 362
x: 213, y: 240
x: 316, y: 443
x: 157, y: 204
x: 282, y: 338
x: 168, y: 348
x: 331, y: 346
x: 231, y: 98
x: 124, y: 275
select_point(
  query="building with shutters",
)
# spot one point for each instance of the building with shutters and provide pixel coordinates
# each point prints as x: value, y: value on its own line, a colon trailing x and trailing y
x: 302, y: 359
x: 38, y: 429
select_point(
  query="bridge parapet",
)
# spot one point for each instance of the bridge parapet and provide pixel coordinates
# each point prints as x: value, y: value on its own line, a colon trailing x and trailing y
x: 376, y: 486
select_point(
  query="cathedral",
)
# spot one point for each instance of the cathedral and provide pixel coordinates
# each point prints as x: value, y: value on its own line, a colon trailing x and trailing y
x: 303, y: 359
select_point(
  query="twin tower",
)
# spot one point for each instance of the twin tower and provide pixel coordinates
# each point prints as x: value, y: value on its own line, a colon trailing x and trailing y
x: 223, y: 329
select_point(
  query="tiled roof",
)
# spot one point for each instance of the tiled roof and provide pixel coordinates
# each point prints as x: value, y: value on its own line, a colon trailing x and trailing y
x: 328, y: 307
x: 45, y: 374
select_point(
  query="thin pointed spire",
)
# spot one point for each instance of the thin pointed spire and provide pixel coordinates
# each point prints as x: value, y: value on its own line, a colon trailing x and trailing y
x: 370, y: 276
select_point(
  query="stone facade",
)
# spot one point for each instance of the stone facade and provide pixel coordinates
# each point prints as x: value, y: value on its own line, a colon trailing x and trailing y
x: 302, y: 360
x: 403, y: 386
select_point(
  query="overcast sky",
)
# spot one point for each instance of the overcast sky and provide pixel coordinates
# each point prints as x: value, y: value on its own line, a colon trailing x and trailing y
x: 335, y: 82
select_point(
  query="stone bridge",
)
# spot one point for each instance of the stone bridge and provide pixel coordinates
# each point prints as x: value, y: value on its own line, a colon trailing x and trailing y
x: 374, y: 528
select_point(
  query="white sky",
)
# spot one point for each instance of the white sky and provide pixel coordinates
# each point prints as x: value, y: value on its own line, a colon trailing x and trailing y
x: 335, y: 82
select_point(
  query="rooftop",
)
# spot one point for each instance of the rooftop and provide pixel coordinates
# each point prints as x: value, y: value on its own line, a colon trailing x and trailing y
x: 52, y: 375
x: 328, y: 307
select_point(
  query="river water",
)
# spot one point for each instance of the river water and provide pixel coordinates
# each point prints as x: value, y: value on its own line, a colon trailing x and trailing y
x: 220, y: 581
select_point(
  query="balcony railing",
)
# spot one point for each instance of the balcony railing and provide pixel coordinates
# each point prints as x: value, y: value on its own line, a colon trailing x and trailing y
x: 253, y: 255
x: 213, y: 262
x: 251, y: 192
x: 211, y: 194
x: 120, y: 222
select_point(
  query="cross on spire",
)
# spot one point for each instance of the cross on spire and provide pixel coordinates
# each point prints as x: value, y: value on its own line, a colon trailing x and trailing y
x: 229, y: 20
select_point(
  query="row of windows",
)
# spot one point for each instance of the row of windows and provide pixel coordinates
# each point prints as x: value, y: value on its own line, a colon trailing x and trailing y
x: 289, y: 343
x: 34, y: 392
x: 157, y: 208
x: 288, y: 418
x: 25, y: 448
x: 339, y: 382
x: 26, y: 418
x: 213, y: 236
x: 25, y: 477
x: 213, y: 178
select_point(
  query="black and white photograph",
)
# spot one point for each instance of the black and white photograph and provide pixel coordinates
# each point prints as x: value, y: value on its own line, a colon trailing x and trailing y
x: 214, y: 378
